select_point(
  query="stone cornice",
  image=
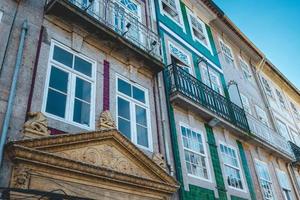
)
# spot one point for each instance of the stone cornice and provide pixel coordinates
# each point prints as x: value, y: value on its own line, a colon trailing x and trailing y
x: 38, y: 151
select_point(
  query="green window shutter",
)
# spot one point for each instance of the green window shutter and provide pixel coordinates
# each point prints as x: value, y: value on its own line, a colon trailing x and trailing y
x: 246, y: 170
x: 216, y: 163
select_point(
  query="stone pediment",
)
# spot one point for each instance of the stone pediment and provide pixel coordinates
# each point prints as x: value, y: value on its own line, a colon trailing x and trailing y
x: 105, y: 153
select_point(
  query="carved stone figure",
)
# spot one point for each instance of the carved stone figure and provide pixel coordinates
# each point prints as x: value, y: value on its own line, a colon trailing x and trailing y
x: 20, y: 178
x: 106, y: 121
x: 37, y: 124
x: 159, y: 160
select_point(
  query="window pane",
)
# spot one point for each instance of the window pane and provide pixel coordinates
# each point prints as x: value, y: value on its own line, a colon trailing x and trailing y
x: 123, y: 108
x: 83, y: 66
x: 142, y: 135
x: 81, y: 112
x: 56, y: 103
x: 83, y: 90
x: 63, y: 56
x: 139, y: 94
x: 58, y: 79
x: 141, y: 115
x: 124, y: 87
x: 124, y: 127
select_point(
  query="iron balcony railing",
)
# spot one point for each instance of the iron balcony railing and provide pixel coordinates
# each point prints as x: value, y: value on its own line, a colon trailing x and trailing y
x: 296, y: 151
x: 268, y: 135
x: 180, y: 81
x: 125, y: 22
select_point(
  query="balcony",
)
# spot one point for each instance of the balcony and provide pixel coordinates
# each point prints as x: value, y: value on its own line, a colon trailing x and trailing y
x: 296, y: 150
x: 188, y: 91
x: 268, y: 137
x: 111, y: 22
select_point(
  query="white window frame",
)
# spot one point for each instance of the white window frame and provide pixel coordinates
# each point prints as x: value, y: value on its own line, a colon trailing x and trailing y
x: 206, y: 80
x: 260, y: 179
x: 295, y: 110
x: 296, y: 137
x: 247, y: 74
x: 246, y: 104
x: 178, y: 9
x: 278, y: 123
x: 234, y: 167
x: 205, y: 34
x: 71, y: 87
x: 284, y: 188
x: 264, y: 120
x: 266, y: 85
x: 222, y: 43
x: 201, y: 132
x: 280, y: 98
x: 189, y: 64
x: 132, y: 103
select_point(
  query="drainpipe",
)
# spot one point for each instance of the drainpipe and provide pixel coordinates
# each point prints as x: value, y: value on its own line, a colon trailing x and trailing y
x: 12, y: 92
x: 163, y: 124
x: 294, y: 182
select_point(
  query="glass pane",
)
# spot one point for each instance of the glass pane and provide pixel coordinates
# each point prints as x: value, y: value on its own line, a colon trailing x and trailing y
x: 142, y: 135
x: 124, y: 127
x: 123, y: 108
x: 141, y: 115
x: 124, y: 87
x: 139, y: 94
x: 58, y: 79
x: 83, y: 66
x: 63, y: 56
x: 83, y: 90
x: 56, y: 103
x: 81, y: 112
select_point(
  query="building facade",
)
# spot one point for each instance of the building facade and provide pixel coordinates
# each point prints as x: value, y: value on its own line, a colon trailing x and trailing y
x: 104, y: 99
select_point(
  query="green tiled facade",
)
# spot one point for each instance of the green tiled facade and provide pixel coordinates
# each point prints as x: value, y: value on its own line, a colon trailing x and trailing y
x: 237, y: 198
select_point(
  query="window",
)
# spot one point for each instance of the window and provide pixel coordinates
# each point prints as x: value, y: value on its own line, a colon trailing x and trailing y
x: 231, y: 167
x: 265, y: 180
x: 296, y: 137
x: 214, y: 81
x: 283, y: 130
x: 246, y: 70
x: 295, y: 110
x: 227, y: 53
x: 194, y: 152
x: 246, y: 103
x: 198, y: 30
x: 284, y: 184
x: 261, y: 114
x: 180, y: 58
x: 133, y: 118
x: 267, y: 87
x: 280, y: 98
x: 170, y: 7
x: 70, y: 82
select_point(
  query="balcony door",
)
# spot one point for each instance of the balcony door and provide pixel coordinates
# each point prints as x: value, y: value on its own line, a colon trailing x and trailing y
x: 127, y: 18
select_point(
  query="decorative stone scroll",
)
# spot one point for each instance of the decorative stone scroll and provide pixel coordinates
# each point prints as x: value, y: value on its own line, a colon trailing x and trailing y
x: 36, y: 125
x: 20, y: 178
x: 159, y: 160
x: 106, y: 121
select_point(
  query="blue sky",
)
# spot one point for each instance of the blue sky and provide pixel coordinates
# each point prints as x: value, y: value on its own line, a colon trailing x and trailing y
x: 274, y: 27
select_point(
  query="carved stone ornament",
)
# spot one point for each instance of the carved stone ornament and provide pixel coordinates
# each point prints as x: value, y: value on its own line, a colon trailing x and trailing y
x: 20, y: 178
x: 159, y: 160
x: 36, y: 125
x: 106, y: 121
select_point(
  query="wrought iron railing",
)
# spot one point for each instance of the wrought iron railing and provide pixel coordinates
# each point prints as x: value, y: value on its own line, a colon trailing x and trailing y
x: 127, y: 24
x: 178, y: 80
x: 296, y: 150
x: 268, y: 135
